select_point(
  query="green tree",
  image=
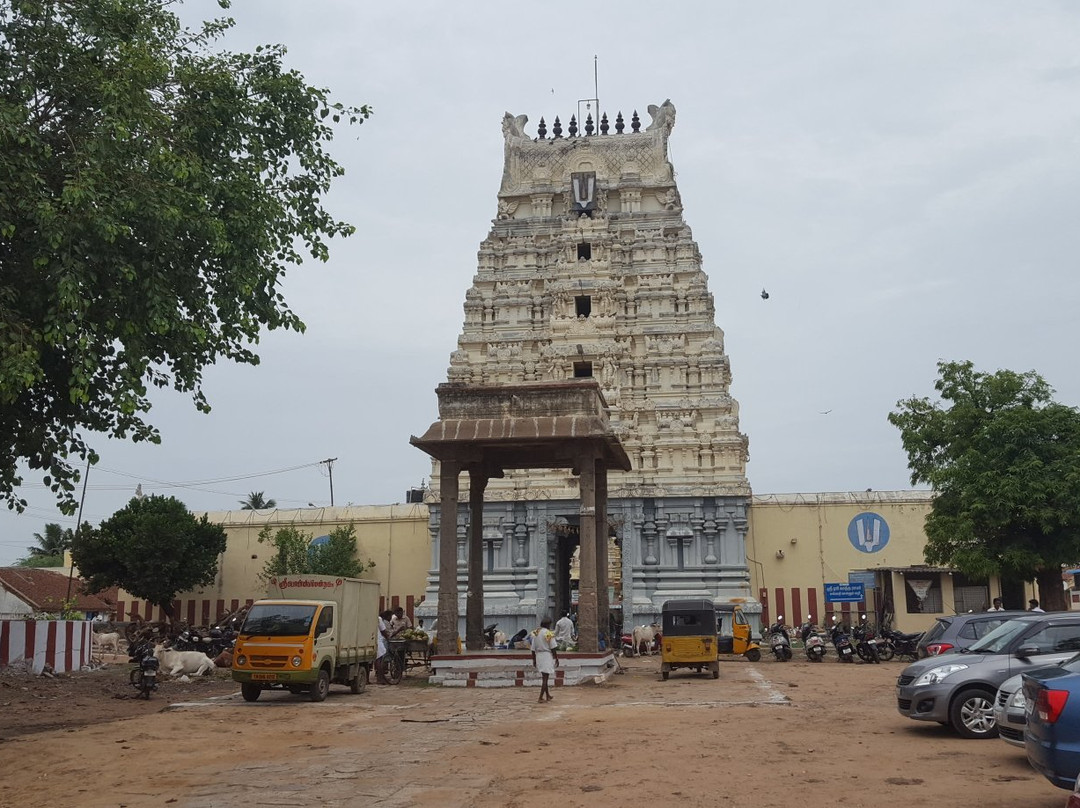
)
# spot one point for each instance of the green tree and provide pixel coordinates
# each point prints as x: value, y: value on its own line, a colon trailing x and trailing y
x: 153, y: 547
x: 50, y: 548
x: 1004, y: 461
x: 153, y: 192
x: 294, y: 553
x: 255, y: 501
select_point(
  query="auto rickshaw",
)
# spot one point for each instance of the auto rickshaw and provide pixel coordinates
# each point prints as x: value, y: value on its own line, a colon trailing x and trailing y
x: 689, y: 631
x: 733, y: 634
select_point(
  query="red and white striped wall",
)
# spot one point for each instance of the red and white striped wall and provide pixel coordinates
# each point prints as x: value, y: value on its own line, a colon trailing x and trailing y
x: 796, y: 603
x: 63, y: 645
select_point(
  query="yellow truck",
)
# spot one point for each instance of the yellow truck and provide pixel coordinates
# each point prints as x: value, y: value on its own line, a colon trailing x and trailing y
x: 309, y: 631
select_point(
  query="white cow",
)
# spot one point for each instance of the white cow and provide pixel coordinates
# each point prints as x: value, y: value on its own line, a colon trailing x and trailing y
x: 177, y: 663
x: 645, y: 637
x: 108, y: 641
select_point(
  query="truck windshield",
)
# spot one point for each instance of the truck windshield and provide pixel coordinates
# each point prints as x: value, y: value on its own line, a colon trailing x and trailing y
x: 278, y: 619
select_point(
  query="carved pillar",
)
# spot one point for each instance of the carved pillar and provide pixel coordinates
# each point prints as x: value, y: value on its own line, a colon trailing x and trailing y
x: 603, y: 602
x: 446, y: 625
x: 474, y: 594
x: 587, y: 594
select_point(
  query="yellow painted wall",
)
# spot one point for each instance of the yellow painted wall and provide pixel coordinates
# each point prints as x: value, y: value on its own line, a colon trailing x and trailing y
x: 395, y: 537
x: 800, y: 541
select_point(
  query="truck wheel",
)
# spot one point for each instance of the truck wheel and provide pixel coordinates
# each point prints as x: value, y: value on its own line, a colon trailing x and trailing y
x: 715, y: 670
x: 320, y: 687
x: 359, y: 682
x: 250, y: 692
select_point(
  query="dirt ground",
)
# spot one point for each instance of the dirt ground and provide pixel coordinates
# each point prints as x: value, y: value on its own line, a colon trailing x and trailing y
x: 765, y: 734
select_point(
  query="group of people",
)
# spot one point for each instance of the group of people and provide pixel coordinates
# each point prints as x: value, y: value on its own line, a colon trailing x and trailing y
x: 543, y: 643
x: 391, y: 623
x: 1033, y: 606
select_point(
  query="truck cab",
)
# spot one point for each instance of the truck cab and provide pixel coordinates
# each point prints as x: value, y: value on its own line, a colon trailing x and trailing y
x: 304, y: 644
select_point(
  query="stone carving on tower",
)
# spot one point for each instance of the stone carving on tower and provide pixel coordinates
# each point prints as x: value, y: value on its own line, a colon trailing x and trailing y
x: 590, y: 270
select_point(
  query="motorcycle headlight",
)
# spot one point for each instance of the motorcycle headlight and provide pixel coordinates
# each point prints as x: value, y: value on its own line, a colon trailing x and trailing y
x: 241, y: 660
x: 938, y: 674
x: 1016, y: 700
x: 297, y: 661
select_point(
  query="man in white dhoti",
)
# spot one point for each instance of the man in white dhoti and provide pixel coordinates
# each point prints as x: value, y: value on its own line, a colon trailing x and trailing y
x: 545, y: 655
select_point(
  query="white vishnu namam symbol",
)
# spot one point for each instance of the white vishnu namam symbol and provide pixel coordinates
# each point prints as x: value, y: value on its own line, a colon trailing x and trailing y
x: 867, y: 541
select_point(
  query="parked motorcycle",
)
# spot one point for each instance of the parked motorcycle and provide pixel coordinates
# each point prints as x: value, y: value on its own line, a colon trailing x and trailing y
x: 144, y: 677
x: 896, y: 643
x: 865, y: 643
x: 780, y: 640
x: 813, y: 645
x: 842, y: 642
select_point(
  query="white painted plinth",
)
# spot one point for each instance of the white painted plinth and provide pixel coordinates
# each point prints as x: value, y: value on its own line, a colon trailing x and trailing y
x: 515, y: 669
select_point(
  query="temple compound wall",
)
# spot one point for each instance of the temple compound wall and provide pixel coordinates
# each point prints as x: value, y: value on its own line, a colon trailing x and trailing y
x: 591, y: 271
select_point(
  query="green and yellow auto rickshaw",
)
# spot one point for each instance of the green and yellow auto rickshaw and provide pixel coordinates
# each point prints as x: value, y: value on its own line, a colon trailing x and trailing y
x: 688, y: 637
x: 733, y: 634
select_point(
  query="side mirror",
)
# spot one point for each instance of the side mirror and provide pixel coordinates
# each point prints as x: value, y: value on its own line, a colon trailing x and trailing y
x: 1025, y: 651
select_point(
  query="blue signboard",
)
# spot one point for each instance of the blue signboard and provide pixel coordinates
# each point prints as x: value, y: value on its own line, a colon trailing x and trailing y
x: 868, y: 532
x: 863, y: 577
x: 844, y: 593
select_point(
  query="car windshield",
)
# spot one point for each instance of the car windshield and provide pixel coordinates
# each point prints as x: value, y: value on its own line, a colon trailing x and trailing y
x: 998, y: 640
x: 278, y: 619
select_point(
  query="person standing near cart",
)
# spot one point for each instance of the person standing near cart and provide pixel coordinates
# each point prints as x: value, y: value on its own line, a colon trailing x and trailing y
x: 545, y: 655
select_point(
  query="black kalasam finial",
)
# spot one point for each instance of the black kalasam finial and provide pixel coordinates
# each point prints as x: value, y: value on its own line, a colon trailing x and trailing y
x: 541, y: 130
x: 635, y: 122
x: 619, y: 125
x: 603, y: 124
x: 556, y: 130
x: 589, y: 128
x: 572, y: 129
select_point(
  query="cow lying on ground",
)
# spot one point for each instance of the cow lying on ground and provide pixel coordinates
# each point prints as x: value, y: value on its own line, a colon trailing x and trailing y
x: 645, y: 638
x: 177, y: 663
x: 108, y: 641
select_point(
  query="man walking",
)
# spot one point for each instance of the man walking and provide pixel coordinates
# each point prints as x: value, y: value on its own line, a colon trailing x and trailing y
x: 545, y: 655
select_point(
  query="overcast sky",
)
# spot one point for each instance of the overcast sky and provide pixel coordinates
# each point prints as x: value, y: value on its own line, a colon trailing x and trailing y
x: 903, y: 179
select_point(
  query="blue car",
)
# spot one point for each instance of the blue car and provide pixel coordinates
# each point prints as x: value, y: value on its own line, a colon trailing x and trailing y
x: 1052, y: 735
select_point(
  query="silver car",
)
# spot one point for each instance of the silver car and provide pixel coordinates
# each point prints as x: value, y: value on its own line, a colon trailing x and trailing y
x: 958, y: 689
x: 1009, y: 705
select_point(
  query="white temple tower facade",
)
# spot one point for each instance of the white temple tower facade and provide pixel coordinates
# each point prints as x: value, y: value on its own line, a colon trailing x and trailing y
x: 591, y: 271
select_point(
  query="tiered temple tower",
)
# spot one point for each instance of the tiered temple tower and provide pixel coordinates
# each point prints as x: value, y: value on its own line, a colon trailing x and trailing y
x: 590, y: 271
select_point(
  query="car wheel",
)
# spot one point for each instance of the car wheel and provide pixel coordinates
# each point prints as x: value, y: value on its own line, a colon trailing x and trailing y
x: 250, y: 692
x: 971, y: 714
x: 320, y: 687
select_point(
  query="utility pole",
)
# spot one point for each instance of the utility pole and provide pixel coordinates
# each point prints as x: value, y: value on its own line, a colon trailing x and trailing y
x: 330, y: 470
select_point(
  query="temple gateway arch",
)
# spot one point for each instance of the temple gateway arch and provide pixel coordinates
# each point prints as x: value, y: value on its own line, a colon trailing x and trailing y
x: 589, y: 370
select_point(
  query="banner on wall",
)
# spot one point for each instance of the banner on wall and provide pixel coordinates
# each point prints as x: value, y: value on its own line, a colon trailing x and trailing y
x: 920, y: 587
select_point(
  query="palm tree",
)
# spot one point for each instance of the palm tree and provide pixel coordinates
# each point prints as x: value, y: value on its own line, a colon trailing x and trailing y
x: 257, y: 502
x: 51, y: 546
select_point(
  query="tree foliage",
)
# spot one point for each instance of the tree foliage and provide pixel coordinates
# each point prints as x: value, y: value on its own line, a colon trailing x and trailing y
x: 294, y: 553
x: 153, y: 192
x: 1004, y: 461
x: 51, y: 544
x: 153, y: 547
x: 255, y: 501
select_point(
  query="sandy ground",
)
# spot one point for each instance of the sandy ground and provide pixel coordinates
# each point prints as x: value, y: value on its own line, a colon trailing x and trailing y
x: 764, y: 734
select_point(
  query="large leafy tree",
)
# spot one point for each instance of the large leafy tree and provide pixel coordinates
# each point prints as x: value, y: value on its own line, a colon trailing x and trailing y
x: 1004, y: 461
x: 154, y: 548
x: 296, y: 554
x: 153, y: 192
